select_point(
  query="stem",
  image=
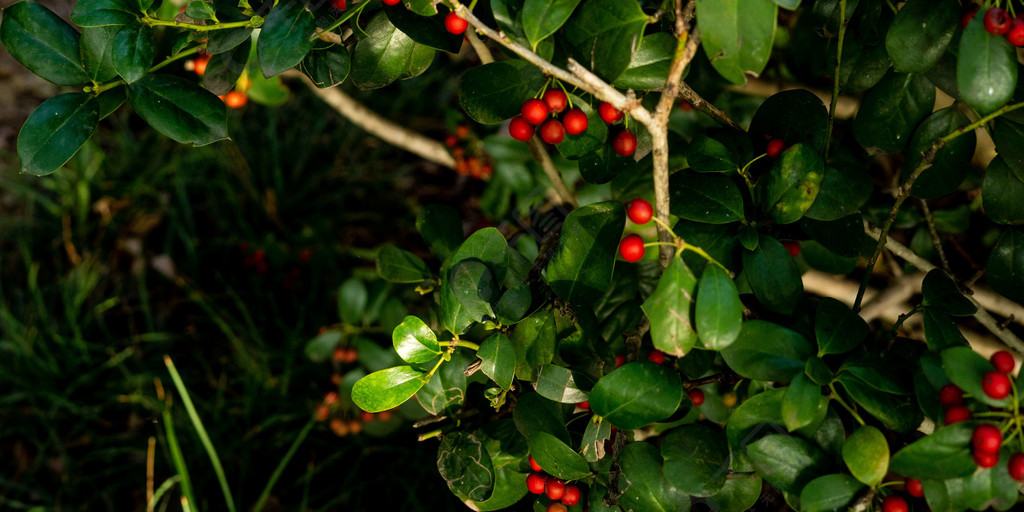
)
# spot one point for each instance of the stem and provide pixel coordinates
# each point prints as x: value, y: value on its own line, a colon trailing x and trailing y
x: 851, y: 410
x: 153, y: 22
x: 284, y: 462
x: 903, y: 318
x: 102, y: 88
x: 835, y: 85
x: 936, y: 241
x: 466, y: 344
x: 345, y: 17
x: 705, y: 255
x: 541, y: 155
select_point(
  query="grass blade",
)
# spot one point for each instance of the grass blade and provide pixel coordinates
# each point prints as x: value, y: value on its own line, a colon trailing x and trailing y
x: 284, y: 462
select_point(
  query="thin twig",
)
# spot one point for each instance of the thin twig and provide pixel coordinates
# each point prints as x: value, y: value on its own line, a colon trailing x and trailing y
x: 540, y: 153
x: 835, y: 84
x: 936, y: 241
x: 687, y: 93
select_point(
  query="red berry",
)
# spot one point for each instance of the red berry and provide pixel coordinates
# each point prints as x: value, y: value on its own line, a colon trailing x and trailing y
x: 556, y: 100
x: 775, y: 147
x: 555, y: 506
x: 572, y: 495
x: 1016, y: 33
x: 585, y: 405
x: 575, y: 121
x: 555, y: 488
x: 520, y: 129
x: 696, y: 396
x: 624, y: 143
x: 236, y: 99
x: 322, y: 412
x: 1003, y: 361
x: 986, y: 460
x: 987, y: 438
x: 619, y: 360
x: 686, y: 106
x: 552, y: 131
x: 639, y: 211
x: 454, y: 23
x: 957, y: 414
x: 535, y: 111
x: 967, y: 19
x: 656, y: 356
x: 996, y: 385
x: 331, y: 398
x: 305, y: 255
x: 338, y: 4
x: 894, y: 503
x: 367, y: 417
x: 792, y: 247
x: 914, y: 488
x: 390, y: 2
x: 632, y: 248
x: 609, y: 113
x: 534, y: 465
x: 951, y: 396
x: 1016, y: 466
x: 997, y: 21
x: 536, y: 482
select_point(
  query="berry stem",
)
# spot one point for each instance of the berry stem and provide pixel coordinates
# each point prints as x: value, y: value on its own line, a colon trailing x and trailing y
x: 705, y: 255
x: 98, y: 89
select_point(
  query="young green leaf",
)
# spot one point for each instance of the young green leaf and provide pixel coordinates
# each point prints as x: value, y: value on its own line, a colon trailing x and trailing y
x: 414, y: 341
x: 55, y: 131
x: 669, y: 310
x: 556, y: 457
x: 387, y: 389
x: 829, y: 492
x: 498, y: 359
x: 401, y: 266
x: 866, y: 453
x: 719, y: 312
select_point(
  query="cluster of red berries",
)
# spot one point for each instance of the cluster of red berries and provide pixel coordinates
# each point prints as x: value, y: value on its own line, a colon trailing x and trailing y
x: 560, y: 494
x: 624, y: 142
x: 535, y: 112
x: 631, y: 248
x: 999, y: 23
x: 345, y: 355
x: 346, y: 426
x: 478, y: 164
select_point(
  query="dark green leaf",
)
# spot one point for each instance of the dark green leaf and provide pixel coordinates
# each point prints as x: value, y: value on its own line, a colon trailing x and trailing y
x: 97, y: 44
x: 509, y: 488
x: 986, y: 70
x: 414, y: 341
x: 1001, y: 193
x: 897, y: 412
x: 581, y: 268
x: 803, y: 403
x: 179, y: 109
x: 541, y: 18
x: 352, y: 299
x: 993, y: 487
x: 133, y: 51
x: 441, y: 227
x: 792, y: 184
x: 737, y: 495
x: 669, y: 310
x: 387, y: 389
x: 604, y: 33
x: 891, y: 110
x: 284, y: 38
x: 951, y: 162
x: 756, y: 417
x: 737, y: 35
x: 709, y: 198
x: 386, y: 55
x: 473, y: 286
x: 465, y: 465
x: 42, y: 42
x: 328, y: 67
x: 110, y: 100
x: 199, y: 10
x: 709, y: 155
x: 837, y: 328
x: 102, y: 13
x: 400, y: 266
x: 843, y: 190
x: 513, y: 305
x: 55, y: 131
x: 696, y: 459
x: 773, y: 275
x: 495, y: 92
x: 1009, y: 138
x: 221, y: 41
x: 592, y: 447
x: 643, y: 485
x: 320, y: 348
x: 864, y: 64
x: 946, y: 453
x: 796, y: 116
x: 649, y: 67
x: 767, y: 351
x: 587, y: 144
x: 866, y: 453
x: 941, y: 292
x: 1006, y: 265
x: 556, y: 457
x: 427, y: 31
x: 637, y: 394
x: 224, y: 69
x: 446, y: 391
x: 920, y: 34
x: 498, y: 359
x: 558, y: 384
x: 534, y: 343
x: 787, y: 462
x: 604, y: 164
x: 966, y: 368
x: 828, y: 493
x: 535, y: 414
x: 719, y: 311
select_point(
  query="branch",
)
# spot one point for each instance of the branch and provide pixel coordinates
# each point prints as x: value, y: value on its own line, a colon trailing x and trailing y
x: 379, y: 126
x: 687, y: 93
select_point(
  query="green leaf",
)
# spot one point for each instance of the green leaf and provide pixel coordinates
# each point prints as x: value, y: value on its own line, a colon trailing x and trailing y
x: 1006, y: 265
x: 737, y: 495
x: 352, y: 298
x: 941, y: 292
x: 756, y: 417
x: 945, y: 453
x: 945, y: 495
x: 643, y: 485
x: 992, y: 488
x: 702, y: 197
x: 649, y: 67
x: 986, y: 68
x: 796, y: 116
x: 866, y: 453
x: 719, y: 312
x: 199, y: 10
x: 541, y: 18
x: 828, y: 493
x: 472, y: 284
x: 592, y: 447
x: 427, y: 31
x: 837, y: 328
x: 498, y: 360
x: 803, y: 403
x: 818, y: 371
x: 792, y: 184
x: 387, y: 389
x: 320, y: 348
x: 696, y: 459
x: 534, y: 414
x: 581, y: 268
x: 940, y: 331
x: 387, y: 55
x: 441, y: 227
x: 104, y: 13
x: 96, y: 47
x: 400, y: 266
x: 590, y: 141
x: 494, y: 92
x: 604, y: 164
x: 1001, y: 192
x: 446, y: 391
x: 967, y: 368
x: 465, y: 465
x: 767, y: 351
x: 709, y: 155
x: 179, y: 109
x: 513, y: 305
x: 55, y: 131
x: 414, y: 341
x: 556, y: 457
x: 864, y: 63
x: 737, y: 35
x: 787, y: 462
x: 487, y: 245
x: 42, y: 42
x: 558, y: 384
x: 509, y: 488
x: 773, y: 275
x: 534, y: 343
x: 669, y: 310
x: 788, y: 4
x: 951, y: 162
x: 224, y: 69
x: 284, y: 37
x: 920, y: 34
x: 637, y: 394
x: 897, y: 412
x: 604, y: 33
x: 1009, y: 138
x: 328, y: 67
x: 891, y: 110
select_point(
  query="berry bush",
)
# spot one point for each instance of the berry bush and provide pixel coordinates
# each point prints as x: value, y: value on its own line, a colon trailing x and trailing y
x: 797, y: 334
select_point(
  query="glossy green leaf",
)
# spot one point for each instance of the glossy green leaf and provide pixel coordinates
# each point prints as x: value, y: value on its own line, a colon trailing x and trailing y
x: 556, y: 457
x: 494, y: 92
x: 643, y: 485
x: 719, y: 312
x: 787, y: 462
x: 328, y: 67
x: 773, y: 275
x: 709, y: 155
x: 509, y: 488
x: 796, y: 116
x: 945, y: 453
x: 535, y: 414
x: 541, y: 18
x: 761, y: 415
x: 534, y: 343
x: 986, y: 68
x: 387, y: 389
x: 828, y: 493
x: 581, y: 268
x: 696, y: 459
x: 941, y: 292
x: 669, y: 310
x: 897, y: 412
x: 224, y: 69
x: 284, y: 37
x: 498, y: 360
x: 414, y: 341
x: 792, y: 184
x: 589, y: 143
x: 221, y: 41
x: 951, y: 162
x: 104, y: 13
x: 737, y: 35
x: 604, y: 164
x: 513, y: 305
x: 1001, y: 192
x: 701, y: 197
x: 866, y: 454
x: 967, y: 368
x: 603, y: 34
x: 768, y: 351
x: 992, y: 488
x: 387, y: 55
x: 649, y: 67
x: 737, y: 495
x: 96, y: 47
x: 837, y: 328
x: 429, y: 31
x: 487, y: 245
x: 472, y: 284
x: 55, y: 131
x: 465, y: 465
x: 803, y: 403
x: 891, y: 110
x: 920, y: 34
x: 199, y: 10
x: 400, y: 266
x: 637, y: 394
x: 940, y: 331
x: 864, y: 63
x: 592, y: 447
x: 843, y: 190
x: 42, y: 42
x: 1006, y: 265
x: 445, y: 393
x: 558, y: 384
x: 179, y: 109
